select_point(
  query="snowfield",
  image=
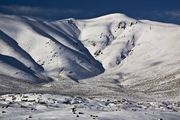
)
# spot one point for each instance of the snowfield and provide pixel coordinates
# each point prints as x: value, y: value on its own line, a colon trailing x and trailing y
x: 107, y: 68
x: 38, y: 106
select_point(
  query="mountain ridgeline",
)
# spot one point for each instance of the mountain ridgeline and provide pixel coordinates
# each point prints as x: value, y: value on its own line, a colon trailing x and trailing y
x: 139, y: 51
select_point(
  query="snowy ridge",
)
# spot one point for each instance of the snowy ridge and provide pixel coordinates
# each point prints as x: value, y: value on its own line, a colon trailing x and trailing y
x: 110, y: 67
x: 101, y: 35
x: 128, y: 51
x: 47, y: 47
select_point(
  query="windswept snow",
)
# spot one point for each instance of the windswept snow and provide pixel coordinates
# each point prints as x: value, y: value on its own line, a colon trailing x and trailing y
x: 109, y: 38
x: 41, y: 45
x: 140, y: 55
x: 111, y: 57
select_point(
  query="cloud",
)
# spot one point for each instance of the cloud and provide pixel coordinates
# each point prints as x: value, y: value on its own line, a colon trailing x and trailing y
x: 173, y: 13
x: 38, y: 11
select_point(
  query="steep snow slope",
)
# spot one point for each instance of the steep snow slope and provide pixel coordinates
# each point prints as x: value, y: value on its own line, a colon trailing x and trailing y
x: 130, y: 68
x: 148, y: 52
x: 42, y: 48
x: 109, y: 38
x: 139, y: 55
x: 143, y: 55
x: 154, y: 62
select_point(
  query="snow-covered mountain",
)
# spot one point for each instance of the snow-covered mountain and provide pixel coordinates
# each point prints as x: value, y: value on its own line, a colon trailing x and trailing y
x: 34, y: 49
x: 143, y: 55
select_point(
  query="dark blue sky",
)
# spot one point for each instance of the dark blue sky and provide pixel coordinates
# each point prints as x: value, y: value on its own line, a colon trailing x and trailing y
x: 159, y: 10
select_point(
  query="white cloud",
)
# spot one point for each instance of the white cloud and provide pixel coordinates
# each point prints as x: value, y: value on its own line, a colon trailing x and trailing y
x: 173, y: 13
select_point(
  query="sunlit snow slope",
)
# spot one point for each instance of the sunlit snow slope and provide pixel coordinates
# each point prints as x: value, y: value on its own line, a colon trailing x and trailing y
x: 32, y: 49
x: 135, y: 51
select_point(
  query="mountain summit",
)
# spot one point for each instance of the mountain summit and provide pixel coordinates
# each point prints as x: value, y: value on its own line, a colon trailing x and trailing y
x: 143, y: 55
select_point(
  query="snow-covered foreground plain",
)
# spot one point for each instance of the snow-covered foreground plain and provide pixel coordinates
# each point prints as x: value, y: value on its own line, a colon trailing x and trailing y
x: 120, y: 68
x: 48, y: 107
